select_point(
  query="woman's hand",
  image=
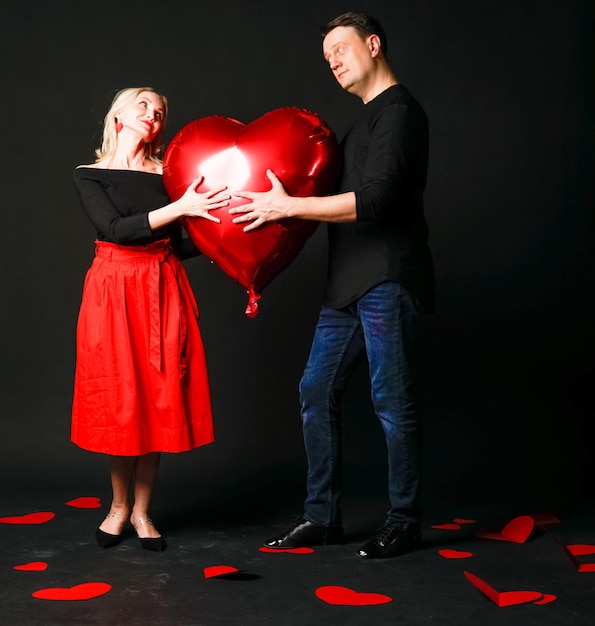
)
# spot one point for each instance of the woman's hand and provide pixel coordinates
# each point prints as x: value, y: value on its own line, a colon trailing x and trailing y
x: 194, y: 204
x: 267, y: 206
x: 191, y: 204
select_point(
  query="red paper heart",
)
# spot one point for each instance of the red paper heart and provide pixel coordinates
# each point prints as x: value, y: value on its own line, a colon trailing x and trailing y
x: 30, y: 518
x: 295, y: 144
x: 455, y: 554
x: 517, y: 530
x: 219, y: 570
x: 581, y: 549
x: 506, y: 598
x: 84, y: 591
x: 348, y: 597
x: 447, y: 526
x: 545, y: 519
x: 88, y: 502
x: 547, y: 598
x: 512, y: 598
x: 586, y: 567
x: 461, y: 520
x: 34, y: 566
x: 303, y: 550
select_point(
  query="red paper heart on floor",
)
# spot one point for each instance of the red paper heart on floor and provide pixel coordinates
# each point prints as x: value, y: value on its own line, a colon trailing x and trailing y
x: 586, y: 567
x: 547, y: 598
x: 461, y: 520
x: 348, y: 597
x: 295, y: 144
x: 505, y: 598
x: 84, y: 591
x: 447, y: 526
x: 581, y: 549
x: 30, y: 518
x: 303, y: 550
x: 87, y: 502
x: 34, y: 566
x: 545, y: 519
x: 455, y: 554
x: 219, y: 570
x: 517, y: 530
x: 512, y: 598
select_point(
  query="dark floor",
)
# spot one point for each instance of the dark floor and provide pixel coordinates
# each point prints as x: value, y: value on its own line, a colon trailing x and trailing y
x: 171, y: 588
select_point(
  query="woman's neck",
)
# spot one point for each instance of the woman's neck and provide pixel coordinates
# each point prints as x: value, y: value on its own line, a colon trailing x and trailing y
x: 132, y: 157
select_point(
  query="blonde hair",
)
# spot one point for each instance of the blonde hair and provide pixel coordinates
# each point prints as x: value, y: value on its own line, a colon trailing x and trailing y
x: 123, y: 98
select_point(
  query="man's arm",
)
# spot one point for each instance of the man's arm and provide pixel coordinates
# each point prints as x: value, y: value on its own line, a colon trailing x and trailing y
x: 395, y: 165
x: 276, y: 204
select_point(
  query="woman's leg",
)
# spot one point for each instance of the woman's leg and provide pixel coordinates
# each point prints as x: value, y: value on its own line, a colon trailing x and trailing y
x: 147, y: 467
x: 121, y: 471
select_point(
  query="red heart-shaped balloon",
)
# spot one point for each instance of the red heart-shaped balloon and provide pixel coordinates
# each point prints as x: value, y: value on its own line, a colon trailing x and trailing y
x: 295, y: 144
x: 334, y: 594
x: 84, y: 591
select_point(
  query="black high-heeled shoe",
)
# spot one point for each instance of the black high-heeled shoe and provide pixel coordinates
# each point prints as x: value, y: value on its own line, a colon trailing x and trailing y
x: 107, y: 540
x: 155, y: 544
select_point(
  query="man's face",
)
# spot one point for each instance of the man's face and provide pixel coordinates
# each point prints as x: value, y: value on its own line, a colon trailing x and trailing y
x: 349, y: 57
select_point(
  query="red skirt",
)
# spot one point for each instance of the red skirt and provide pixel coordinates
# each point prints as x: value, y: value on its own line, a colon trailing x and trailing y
x: 141, y: 380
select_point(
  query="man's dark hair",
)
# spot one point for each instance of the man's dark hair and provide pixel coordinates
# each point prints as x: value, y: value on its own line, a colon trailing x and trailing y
x: 362, y: 22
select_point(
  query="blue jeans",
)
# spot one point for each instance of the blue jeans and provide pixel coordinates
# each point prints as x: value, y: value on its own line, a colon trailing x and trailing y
x: 382, y: 325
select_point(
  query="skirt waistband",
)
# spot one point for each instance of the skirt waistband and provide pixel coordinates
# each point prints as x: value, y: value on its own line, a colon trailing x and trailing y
x: 160, y: 249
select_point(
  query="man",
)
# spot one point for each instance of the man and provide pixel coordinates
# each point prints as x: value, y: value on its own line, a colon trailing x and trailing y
x: 380, y: 281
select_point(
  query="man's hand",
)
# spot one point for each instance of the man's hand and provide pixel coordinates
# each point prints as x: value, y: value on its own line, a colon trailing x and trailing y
x: 267, y: 206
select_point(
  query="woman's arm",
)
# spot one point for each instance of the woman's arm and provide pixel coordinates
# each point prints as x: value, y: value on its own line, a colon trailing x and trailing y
x: 104, y: 215
x: 191, y: 204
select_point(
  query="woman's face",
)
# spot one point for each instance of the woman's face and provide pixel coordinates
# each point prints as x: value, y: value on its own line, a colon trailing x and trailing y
x: 145, y: 115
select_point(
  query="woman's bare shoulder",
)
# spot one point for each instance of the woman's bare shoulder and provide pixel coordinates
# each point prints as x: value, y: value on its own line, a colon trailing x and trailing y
x: 98, y: 165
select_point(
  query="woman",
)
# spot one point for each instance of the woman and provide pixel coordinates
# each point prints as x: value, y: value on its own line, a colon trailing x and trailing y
x: 141, y: 385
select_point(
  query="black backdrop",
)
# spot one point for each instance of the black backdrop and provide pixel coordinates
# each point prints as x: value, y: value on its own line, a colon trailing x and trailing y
x: 508, y: 356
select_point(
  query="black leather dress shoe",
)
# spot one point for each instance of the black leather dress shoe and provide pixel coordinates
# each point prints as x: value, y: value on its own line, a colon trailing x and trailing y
x: 304, y: 533
x: 391, y: 540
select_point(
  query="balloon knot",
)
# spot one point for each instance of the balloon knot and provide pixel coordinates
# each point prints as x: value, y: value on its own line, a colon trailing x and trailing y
x: 252, y: 306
